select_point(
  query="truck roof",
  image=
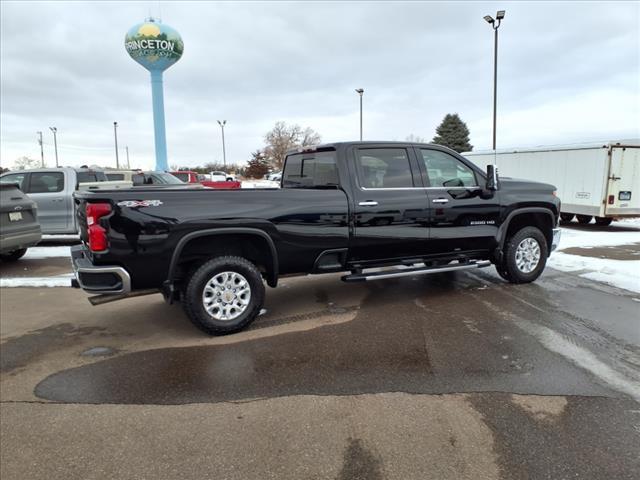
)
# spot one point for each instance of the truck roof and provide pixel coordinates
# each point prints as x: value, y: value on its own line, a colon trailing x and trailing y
x: 634, y: 142
x: 335, y: 145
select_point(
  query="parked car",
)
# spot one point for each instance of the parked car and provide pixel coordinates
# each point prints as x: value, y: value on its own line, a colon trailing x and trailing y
x: 122, y: 175
x: 187, y: 176
x: 274, y: 176
x: 600, y: 180
x: 156, y: 178
x: 194, y: 177
x: 19, y: 227
x: 52, y: 189
x: 359, y: 207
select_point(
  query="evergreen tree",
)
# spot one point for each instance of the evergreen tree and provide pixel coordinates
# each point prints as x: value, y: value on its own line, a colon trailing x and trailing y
x: 258, y: 166
x: 453, y: 133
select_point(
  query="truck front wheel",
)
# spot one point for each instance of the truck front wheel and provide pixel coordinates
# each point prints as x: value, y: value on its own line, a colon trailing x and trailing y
x: 224, y: 295
x: 525, y: 256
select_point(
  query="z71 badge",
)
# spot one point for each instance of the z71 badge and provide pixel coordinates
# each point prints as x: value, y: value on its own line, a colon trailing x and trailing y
x: 139, y: 203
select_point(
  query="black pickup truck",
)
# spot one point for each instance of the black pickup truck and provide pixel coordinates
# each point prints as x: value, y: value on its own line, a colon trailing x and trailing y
x: 373, y: 210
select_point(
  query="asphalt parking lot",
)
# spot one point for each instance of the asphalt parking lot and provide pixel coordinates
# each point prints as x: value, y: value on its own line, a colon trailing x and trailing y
x: 450, y: 376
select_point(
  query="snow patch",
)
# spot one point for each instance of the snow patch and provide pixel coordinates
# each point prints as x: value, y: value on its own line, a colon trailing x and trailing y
x: 57, y: 281
x: 35, y: 253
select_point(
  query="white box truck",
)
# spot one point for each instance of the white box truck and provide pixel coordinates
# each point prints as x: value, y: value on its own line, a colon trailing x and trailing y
x: 595, y: 180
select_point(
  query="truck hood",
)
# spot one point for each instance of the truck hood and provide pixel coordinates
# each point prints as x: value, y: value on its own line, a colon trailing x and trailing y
x: 521, y: 184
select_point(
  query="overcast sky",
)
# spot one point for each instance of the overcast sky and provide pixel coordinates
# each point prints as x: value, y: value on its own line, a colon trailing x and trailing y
x: 568, y: 72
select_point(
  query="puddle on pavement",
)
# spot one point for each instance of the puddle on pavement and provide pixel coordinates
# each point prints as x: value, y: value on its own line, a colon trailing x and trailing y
x: 380, y: 350
x: 619, y: 252
x: 19, y: 351
x: 99, y: 352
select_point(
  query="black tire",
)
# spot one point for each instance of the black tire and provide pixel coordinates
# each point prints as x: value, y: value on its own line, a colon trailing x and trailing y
x: 193, y: 292
x: 512, y: 273
x: 566, y: 217
x: 502, y: 271
x: 584, y: 219
x: 603, y: 221
x: 13, y: 256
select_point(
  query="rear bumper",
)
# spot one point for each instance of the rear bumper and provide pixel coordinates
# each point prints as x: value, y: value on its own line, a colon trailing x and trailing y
x: 556, y: 239
x: 99, y: 279
x: 15, y: 241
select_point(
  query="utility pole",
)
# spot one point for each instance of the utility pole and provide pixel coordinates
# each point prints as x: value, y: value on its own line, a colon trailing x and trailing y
x: 495, y: 24
x: 128, y: 164
x: 360, y: 92
x: 41, y: 148
x: 224, y: 151
x: 115, y: 137
x: 55, y: 142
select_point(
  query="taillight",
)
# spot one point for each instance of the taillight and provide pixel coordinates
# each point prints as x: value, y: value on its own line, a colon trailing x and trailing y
x: 612, y: 199
x: 97, y: 235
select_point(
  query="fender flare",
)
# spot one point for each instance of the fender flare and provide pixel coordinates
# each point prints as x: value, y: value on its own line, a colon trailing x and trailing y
x: 502, y: 231
x: 272, y: 273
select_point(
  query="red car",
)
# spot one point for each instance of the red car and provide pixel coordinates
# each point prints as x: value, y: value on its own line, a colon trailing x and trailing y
x: 188, y: 176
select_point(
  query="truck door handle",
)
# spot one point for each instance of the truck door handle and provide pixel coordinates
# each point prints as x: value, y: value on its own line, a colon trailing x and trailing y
x: 440, y: 200
x: 368, y: 203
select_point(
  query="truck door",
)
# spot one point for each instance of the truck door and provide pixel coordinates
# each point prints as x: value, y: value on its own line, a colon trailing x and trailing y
x: 47, y: 189
x: 390, y: 207
x: 623, y: 188
x: 460, y: 220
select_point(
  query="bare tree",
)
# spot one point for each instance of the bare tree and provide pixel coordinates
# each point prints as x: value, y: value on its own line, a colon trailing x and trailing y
x: 24, y: 163
x: 283, y: 138
x: 415, y: 138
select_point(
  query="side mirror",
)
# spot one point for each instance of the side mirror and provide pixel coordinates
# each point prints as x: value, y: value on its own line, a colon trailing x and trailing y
x: 492, y: 178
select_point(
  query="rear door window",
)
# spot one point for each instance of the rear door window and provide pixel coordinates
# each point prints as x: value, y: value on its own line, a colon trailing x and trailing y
x: 384, y: 168
x: 115, y: 176
x: 46, y: 182
x: 311, y: 170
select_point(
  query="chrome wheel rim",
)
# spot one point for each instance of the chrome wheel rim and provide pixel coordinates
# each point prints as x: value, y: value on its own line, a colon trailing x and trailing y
x: 528, y: 255
x: 226, y: 296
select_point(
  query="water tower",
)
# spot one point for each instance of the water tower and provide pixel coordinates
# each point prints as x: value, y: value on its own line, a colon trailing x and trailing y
x: 156, y: 47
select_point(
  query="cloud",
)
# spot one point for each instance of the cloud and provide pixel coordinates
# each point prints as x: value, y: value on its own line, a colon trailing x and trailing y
x: 568, y: 72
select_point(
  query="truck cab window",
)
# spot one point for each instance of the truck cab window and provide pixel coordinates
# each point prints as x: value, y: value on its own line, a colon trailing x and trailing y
x: 311, y: 170
x: 384, y: 168
x: 445, y: 170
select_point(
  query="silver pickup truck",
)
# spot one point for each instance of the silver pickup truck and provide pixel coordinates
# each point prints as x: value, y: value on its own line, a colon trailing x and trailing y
x: 52, y: 189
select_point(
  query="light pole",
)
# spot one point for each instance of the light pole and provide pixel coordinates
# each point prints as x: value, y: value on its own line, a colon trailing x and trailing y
x: 224, y: 151
x: 128, y: 164
x: 41, y: 148
x: 115, y: 137
x: 495, y: 24
x: 55, y: 142
x: 360, y: 92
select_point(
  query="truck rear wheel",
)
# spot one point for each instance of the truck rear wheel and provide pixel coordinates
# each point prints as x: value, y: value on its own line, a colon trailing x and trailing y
x: 584, y: 219
x: 13, y: 256
x: 525, y: 256
x: 603, y: 221
x: 224, y: 295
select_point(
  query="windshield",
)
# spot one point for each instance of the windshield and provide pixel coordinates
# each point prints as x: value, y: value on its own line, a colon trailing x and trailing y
x: 181, y: 176
x: 166, y: 178
x: 90, y: 176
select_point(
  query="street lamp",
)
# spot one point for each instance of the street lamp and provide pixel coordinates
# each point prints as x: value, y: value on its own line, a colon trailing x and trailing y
x: 224, y: 151
x: 55, y: 141
x: 115, y: 137
x: 41, y: 148
x: 495, y: 24
x: 360, y: 91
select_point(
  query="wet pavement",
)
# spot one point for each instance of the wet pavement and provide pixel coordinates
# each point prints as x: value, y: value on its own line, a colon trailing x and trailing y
x: 620, y: 252
x: 448, y: 376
